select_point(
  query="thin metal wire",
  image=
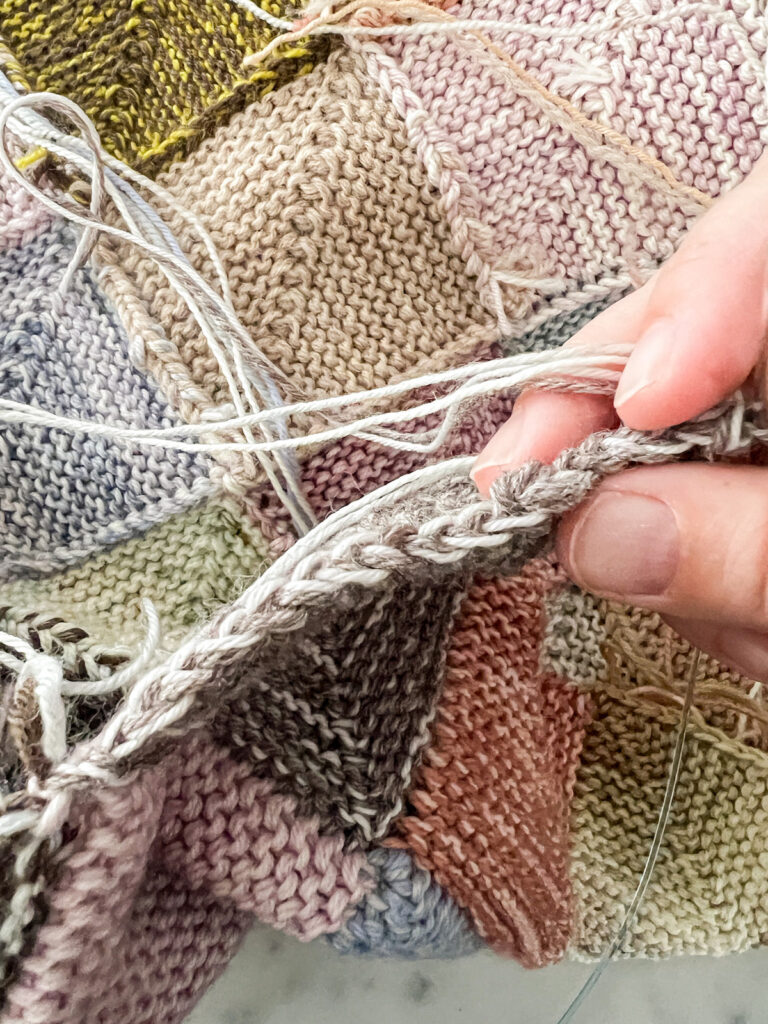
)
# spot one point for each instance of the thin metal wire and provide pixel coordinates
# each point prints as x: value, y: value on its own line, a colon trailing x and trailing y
x: 653, y: 853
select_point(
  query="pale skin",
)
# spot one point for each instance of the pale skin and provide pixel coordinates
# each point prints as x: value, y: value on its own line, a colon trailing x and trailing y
x: 689, y: 540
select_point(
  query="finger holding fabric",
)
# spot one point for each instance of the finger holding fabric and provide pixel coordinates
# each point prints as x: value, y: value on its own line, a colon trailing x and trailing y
x: 689, y: 541
x: 698, y: 327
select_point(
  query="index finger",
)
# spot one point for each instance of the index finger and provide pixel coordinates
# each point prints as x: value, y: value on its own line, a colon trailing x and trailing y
x: 543, y: 423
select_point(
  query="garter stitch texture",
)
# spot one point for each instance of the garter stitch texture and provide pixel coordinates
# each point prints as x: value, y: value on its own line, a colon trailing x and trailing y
x: 344, y: 471
x: 403, y: 732
x: 375, y: 258
x: 65, y: 497
x: 494, y: 791
x: 407, y: 915
x: 188, y: 566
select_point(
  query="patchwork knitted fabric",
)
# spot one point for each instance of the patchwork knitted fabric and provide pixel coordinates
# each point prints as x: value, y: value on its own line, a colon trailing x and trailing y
x: 65, y: 497
x: 402, y: 730
x: 180, y: 64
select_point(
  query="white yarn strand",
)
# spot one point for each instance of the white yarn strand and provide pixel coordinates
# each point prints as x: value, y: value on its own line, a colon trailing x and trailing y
x: 167, y: 692
x: 126, y: 676
x: 212, y: 312
x: 247, y: 5
x: 615, y: 26
x: 582, y: 370
x: 46, y: 674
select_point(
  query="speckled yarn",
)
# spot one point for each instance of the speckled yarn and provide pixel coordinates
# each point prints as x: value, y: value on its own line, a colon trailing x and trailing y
x: 369, y: 718
x: 403, y: 733
x: 179, y: 65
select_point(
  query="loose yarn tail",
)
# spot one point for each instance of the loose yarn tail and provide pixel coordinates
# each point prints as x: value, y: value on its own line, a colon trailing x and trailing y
x: 576, y: 370
x: 253, y: 387
x: 396, y: 18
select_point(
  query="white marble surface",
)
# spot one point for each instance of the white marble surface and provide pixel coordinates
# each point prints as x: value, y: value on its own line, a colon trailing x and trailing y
x: 277, y: 980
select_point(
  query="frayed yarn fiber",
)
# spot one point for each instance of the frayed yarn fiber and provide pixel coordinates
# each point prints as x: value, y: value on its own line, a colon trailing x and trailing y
x: 265, y: 653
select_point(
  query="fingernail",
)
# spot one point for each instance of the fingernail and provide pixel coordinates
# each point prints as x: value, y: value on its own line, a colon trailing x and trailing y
x: 648, y: 363
x: 483, y: 477
x: 502, y: 453
x: 624, y: 544
x: 745, y: 651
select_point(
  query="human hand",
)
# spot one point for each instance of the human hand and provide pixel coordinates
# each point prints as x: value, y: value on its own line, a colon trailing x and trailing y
x: 689, y: 540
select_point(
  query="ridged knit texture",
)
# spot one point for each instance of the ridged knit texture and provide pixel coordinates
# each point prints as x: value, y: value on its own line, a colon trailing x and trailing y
x: 89, y: 903
x: 632, y: 664
x: 489, y: 811
x: 599, y: 644
x: 64, y: 496
x: 188, y: 567
x: 709, y: 891
x: 27, y: 873
x: 283, y: 629
x: 155, y: 76
x: 336, y: 247
x: 343, y: 731
x: 90, y: 616
x: 344, y: 624
x: 558, y: 328
x: 229, y: 833
x: 688, y: 90
x: 377, y: 737
x: 407, y: 915
x: 342, y: 472
x: 161, y: 882
x: 111, y: 917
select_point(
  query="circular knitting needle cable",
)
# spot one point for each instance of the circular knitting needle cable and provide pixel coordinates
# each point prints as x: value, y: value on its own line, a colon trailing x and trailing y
x: 653, y: 853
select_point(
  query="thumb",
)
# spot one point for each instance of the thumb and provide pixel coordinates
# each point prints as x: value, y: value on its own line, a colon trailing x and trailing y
x: 689, y: 541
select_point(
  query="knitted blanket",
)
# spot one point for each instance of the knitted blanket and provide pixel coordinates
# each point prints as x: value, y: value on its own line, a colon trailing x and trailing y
x: 324, y: 685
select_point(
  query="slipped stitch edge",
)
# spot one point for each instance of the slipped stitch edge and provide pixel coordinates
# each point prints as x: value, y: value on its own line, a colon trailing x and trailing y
x: 446, y: 172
